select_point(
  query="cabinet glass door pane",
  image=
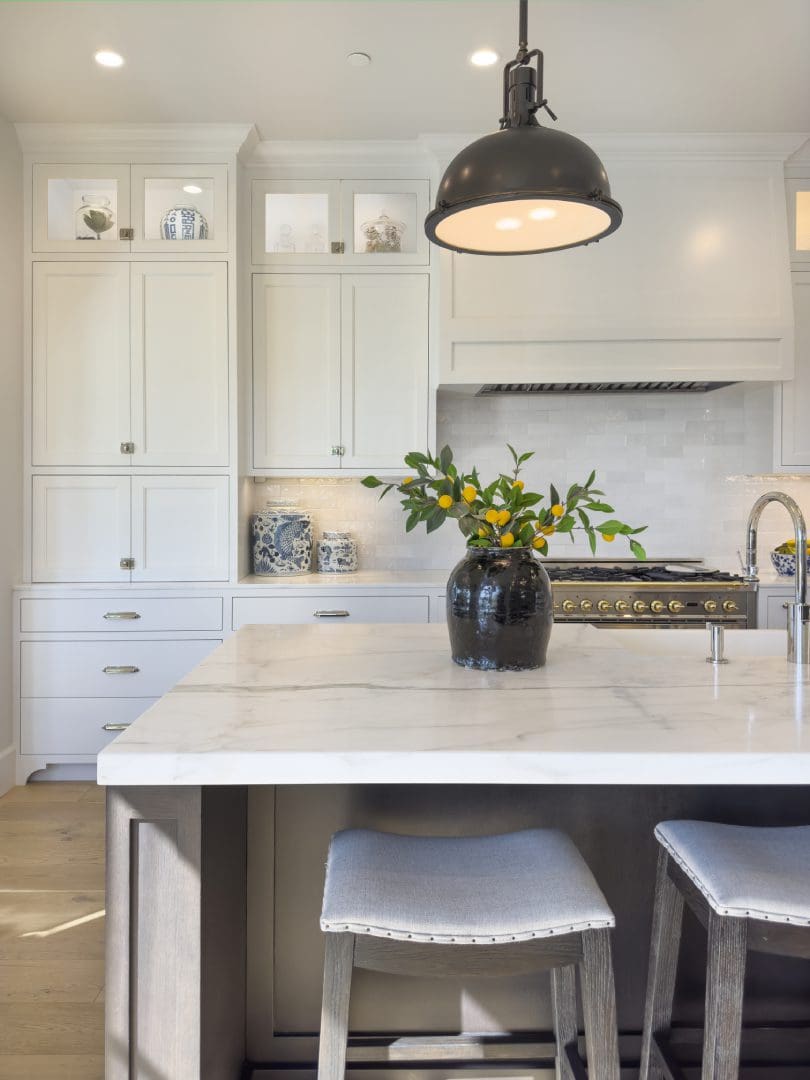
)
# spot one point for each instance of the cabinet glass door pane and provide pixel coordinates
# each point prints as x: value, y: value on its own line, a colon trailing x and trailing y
x: 80, y: 207
x: 802, y: 238
x: 385, y: 224
x: 296, y: 224
x: 179, y: 207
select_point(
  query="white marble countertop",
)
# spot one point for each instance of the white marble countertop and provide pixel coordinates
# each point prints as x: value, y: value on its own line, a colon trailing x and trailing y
x: 385, y: 704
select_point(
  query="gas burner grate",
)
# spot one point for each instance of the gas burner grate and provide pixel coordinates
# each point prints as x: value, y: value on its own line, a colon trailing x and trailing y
x: 662, y: 575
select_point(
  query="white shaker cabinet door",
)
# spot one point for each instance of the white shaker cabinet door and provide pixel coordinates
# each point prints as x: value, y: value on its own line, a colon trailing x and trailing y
x: 180, y: 364
x: 384, y: 397
x: 793, y: 398
x: 296, y: 371
x: 80, y: 528
x: 180, y: 528
x: 80, y: 363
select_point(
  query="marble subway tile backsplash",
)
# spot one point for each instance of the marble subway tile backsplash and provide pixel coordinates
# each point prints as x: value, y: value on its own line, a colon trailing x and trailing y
x: 688, y: 466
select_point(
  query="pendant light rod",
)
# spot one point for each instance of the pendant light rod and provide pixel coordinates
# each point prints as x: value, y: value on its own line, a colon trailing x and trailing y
x: 523, y: 34
x: 523, y: 89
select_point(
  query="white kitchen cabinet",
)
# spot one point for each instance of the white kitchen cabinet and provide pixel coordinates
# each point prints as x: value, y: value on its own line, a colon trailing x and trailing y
x: 384, y: 368
x: 180, y: 364
x: 792, y: 426
x: 330, y: 223
x: 119, y: 614
x: 117, y: 528
x: 130, y: 364
x: 80, y: 528
x: 296, y: 371
x: 772, y: 601
x: 121, y: 208
x: 340, y: 370
x: 80, y: 378
x: 75, y: 726
x: 339, y: 609
x: 180, y: 528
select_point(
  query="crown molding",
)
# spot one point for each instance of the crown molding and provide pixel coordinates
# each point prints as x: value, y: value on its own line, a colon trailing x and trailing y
x: 133, y: 138
x: 675, y: 146
x: 366, y: 153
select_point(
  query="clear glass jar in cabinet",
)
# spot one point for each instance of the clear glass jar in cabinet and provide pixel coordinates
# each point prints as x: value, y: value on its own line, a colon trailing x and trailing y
x: 383, y: 222
x: 81, y: 208
x: 180, y: 207
x: 296, y: 222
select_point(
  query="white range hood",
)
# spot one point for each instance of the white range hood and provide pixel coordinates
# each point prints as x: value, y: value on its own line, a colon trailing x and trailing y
x: 693, y: 288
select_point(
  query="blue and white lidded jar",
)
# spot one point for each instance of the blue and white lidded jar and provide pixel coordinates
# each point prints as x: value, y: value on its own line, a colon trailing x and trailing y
x: 281, y: 540
x: 337, y: 553
x: 183, y: 223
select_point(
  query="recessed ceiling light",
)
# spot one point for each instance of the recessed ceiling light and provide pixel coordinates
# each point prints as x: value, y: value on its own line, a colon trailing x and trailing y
x: 506, y: 223
x: 108, y: 58
x: 484, y: 58
x: 541, y: 214
x: 192, y: 189
x: 358, y: 59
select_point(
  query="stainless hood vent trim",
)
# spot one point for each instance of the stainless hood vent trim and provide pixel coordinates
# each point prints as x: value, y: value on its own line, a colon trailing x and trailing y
x: 659, y: 387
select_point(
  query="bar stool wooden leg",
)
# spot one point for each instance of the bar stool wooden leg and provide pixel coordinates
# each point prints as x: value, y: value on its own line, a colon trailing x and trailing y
x: 663, y: 966
x: 337, y: 987
x: 599, y: 1006
x: 564, y: 1008
x: 728, y: 938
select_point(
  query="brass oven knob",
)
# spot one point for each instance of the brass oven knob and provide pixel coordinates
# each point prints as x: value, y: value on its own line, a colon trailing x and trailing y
x: 657, y: 606
x: 675, y: 606
x: 568, y: 606
x: 729, y: 605
x: 639, y: 606
x: 585, y: 605
x: 604, y: 605
x: 622, y: 605
x: 710, y: 605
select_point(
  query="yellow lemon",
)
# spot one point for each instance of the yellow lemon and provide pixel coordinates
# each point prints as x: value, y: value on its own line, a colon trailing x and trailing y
x: 504, y: 517
x: 469, y: 493
x: 539, y: 542
x: 557, y: 510
x: 548, y: 530
x: 445, y: 501
x: 519, y: 485
x: 407, y: 480
x: 492, y: 517
x: 507, y: 540
x: 482, y: 532
x: 608, y: 537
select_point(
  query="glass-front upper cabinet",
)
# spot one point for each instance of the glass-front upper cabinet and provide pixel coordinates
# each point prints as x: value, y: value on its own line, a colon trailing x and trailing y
x: 81, y: 208
x: 180, y: 207
x: 333, y: 223
x: 798, y: 201
x: 104, y: 208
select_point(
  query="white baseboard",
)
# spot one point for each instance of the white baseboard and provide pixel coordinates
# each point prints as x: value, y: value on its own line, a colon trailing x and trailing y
x: 7, y: 761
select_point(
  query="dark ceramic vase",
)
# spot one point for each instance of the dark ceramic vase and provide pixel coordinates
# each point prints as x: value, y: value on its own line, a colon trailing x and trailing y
x: 499, y: 610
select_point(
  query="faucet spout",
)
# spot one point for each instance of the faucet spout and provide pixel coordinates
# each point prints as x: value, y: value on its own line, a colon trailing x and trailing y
x: 798, y: 611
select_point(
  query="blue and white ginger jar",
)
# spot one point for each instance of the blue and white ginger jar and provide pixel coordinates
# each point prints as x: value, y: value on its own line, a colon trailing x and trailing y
x: 183, y: 223
x: 282, y: 541
x: 337, y: 553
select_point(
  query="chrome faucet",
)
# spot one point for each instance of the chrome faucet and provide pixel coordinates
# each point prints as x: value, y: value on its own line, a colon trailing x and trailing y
x: 798, y: 626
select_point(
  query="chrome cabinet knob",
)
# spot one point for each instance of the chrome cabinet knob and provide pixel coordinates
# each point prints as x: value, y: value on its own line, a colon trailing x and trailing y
x: 657, y: 606
x: 675, y: 606
x: 568, y: 606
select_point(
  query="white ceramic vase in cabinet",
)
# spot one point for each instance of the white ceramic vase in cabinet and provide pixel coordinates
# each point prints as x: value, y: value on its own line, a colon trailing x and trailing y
x: 180, y: 364
x: 81, y: 367
x: 340, y: 370
x: 121, y: 528
x: 130, y: 364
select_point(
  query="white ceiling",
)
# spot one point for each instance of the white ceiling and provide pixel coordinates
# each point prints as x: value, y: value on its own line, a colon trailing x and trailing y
x: 611, y: 65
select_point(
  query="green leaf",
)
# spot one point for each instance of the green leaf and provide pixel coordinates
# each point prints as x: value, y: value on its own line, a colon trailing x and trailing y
x: 385, y: 490
x: 530, y: 500
x: 592, y: 541
x: 590, y: 479
x: 555, y: 496
x: 436, y: 519
x: 600, y: 507
x: 583, y: 517
x: 371, y: 482
x: 637, y: 549
x: 412, y: 522
x: 525, y: 457
x: 445, y: 459
x: 513, y: 452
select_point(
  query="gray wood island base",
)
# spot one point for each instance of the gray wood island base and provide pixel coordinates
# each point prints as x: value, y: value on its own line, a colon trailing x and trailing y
x: 223, y: 796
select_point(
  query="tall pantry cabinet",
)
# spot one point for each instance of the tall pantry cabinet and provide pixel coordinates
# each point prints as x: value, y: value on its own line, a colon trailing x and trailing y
x: 130, y: 479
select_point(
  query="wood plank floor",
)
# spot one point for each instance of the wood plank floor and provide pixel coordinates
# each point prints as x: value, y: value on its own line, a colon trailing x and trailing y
x: 52, y: 932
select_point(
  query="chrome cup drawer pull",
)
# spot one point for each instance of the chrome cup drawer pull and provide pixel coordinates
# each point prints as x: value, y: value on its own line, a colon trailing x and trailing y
x: 117, y: 615
x: 120, y: 669
x: 331, y: 614
x: 114, y: 727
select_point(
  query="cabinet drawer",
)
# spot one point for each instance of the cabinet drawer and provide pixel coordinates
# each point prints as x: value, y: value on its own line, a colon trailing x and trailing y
x: 776, y: 613
x: 74, y: 725
x: 105, y: 668
x: 329, y: 608
x: 119, y: 614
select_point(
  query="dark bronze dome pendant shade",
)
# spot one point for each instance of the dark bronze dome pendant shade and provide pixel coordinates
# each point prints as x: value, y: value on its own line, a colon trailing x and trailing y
x: 525, y: 188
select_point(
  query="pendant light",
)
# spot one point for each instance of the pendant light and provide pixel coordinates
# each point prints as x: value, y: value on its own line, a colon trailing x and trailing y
x: 525, y: 188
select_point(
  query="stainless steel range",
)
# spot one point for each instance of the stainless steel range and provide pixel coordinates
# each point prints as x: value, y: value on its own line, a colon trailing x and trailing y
x: 663, y: 593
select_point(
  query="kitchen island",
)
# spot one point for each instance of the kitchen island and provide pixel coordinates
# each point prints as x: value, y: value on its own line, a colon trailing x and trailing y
x: 223, y: 794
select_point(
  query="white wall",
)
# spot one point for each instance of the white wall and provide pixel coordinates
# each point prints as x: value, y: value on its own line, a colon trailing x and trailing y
x: 688, y: 466
x: 11, y: 220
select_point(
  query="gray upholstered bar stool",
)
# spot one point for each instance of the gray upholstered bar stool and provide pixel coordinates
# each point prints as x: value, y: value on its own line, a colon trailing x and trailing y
x: 490, y: 905
x: 750, y: 887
